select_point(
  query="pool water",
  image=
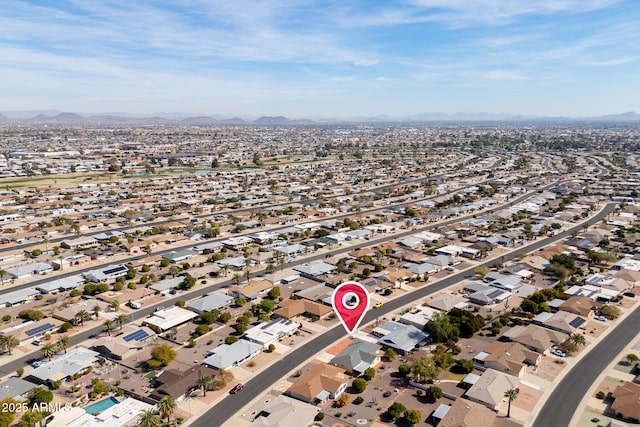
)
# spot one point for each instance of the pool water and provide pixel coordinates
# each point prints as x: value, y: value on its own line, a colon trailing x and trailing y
x: 96, y: 408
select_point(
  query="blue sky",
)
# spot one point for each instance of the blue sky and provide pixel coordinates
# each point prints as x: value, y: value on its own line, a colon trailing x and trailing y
x: 321, y: 58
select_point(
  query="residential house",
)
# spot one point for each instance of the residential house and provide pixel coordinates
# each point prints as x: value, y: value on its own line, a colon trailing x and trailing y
x: 625, y: 400
x: 291, y: 308
x: 465, y: 413
x: 15, y: 388
x: 358, y: 356
x: 226, y: 356
x: 446, y: 302
x: 213, y: 301
x: 402, y: 338
x: 535, y: 337
x: 176, y: 383
x: 254, y: 289
x: 267, y: 333
x: 489, y: 389
x: 284, y: 411
x: 580, y: 305
x: 418, y: 316
x: 561, y: 321
x: 74, y: 362
x: 163, y: 320
x: 321, y: 383
x: 126, y: 343
x: 508, y: 357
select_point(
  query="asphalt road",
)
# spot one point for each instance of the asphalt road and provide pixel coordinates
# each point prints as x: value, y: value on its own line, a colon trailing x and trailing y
x: 568, y: 393
x: 232, y: 404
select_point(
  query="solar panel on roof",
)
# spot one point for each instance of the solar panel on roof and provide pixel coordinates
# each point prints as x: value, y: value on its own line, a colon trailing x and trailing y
x: 577, y: 322
x: 39, y: 329
x: 115, y: 270
x: 138, y: 335
x: 494, y: 294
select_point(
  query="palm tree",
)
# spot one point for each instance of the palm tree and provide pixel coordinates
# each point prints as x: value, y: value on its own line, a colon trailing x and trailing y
x: 236, y: 279
x: 82, y: 315
x: 63, y: 342
x: 511, y: 394
x: 577, y: 339
x: 9, y: 342
x: 49, y: 350
x: 96, y: 309
x: 115, y: 305
x: 205, y: 382
x: 2, y: 274
x: 226, y: 268
x: 174, y: 269
x: 149, y: 418
x: 109, y: 324
x: 166, y: 406
x: 121, y: 319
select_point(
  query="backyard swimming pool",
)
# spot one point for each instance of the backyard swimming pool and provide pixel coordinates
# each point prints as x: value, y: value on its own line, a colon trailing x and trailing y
x: 96, y: 408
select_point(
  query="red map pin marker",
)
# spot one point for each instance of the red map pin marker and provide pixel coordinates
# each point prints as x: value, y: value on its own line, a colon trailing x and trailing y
x: 350, y: 301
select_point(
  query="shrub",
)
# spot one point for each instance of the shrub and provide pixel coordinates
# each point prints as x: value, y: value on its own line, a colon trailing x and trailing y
x: 359, y: 385
x: 358, y: 400
x: 75, y: 293
x: 20, y: 371
x: 369, y: 374
x: 600, y: 395
x: 132, y: 285
x: 6, y: 318
x: 65, y: 327
x: 272, y: 348
x: 230, y: 340
x: 396, y: 410
x: 404, y: 370
x: 319, y: 416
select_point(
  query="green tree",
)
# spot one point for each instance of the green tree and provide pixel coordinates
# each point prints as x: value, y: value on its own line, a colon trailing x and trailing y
x: 31, y: 418
x: 166, y: 406
x: 578, y: 339
x: 7, y: 415
x: 205, y: 382
x: 163, y: 354
x: 425, y: 369
x: 8, y: 342
x: 359, y: 385
x: 149, y: 418
x: 631, y: 358
x: 396, y: 410
x: 464, y: 366
x: 412, y: 416
x: 274, y: 293
x: 63, y: 342
x: 433, y: 393
x: 611, y: 312
x: 440, y: 328
x: 404, y: 370
x: 390, y: 354
x: 109, y: 324
x: 369, y: 374
x: 48, y: 350
x: 511, y: 394
x: 39, y: 395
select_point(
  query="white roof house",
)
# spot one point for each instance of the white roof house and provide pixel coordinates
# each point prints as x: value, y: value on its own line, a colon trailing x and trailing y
x: 269, y: 332
x: 210, y: 302
x: 225, y: 356
x: 163, y: 320
x: 66, y: 365
x: 17, y: 297
x: 63, y: 284
x: 123, y: 414
x: 490, y: 387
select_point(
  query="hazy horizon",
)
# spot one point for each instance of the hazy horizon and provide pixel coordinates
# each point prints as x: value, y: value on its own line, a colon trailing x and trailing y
x: 572, y: 58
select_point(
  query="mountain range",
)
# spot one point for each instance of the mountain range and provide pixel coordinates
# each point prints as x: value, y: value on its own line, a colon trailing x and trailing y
x: 50, y: 117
